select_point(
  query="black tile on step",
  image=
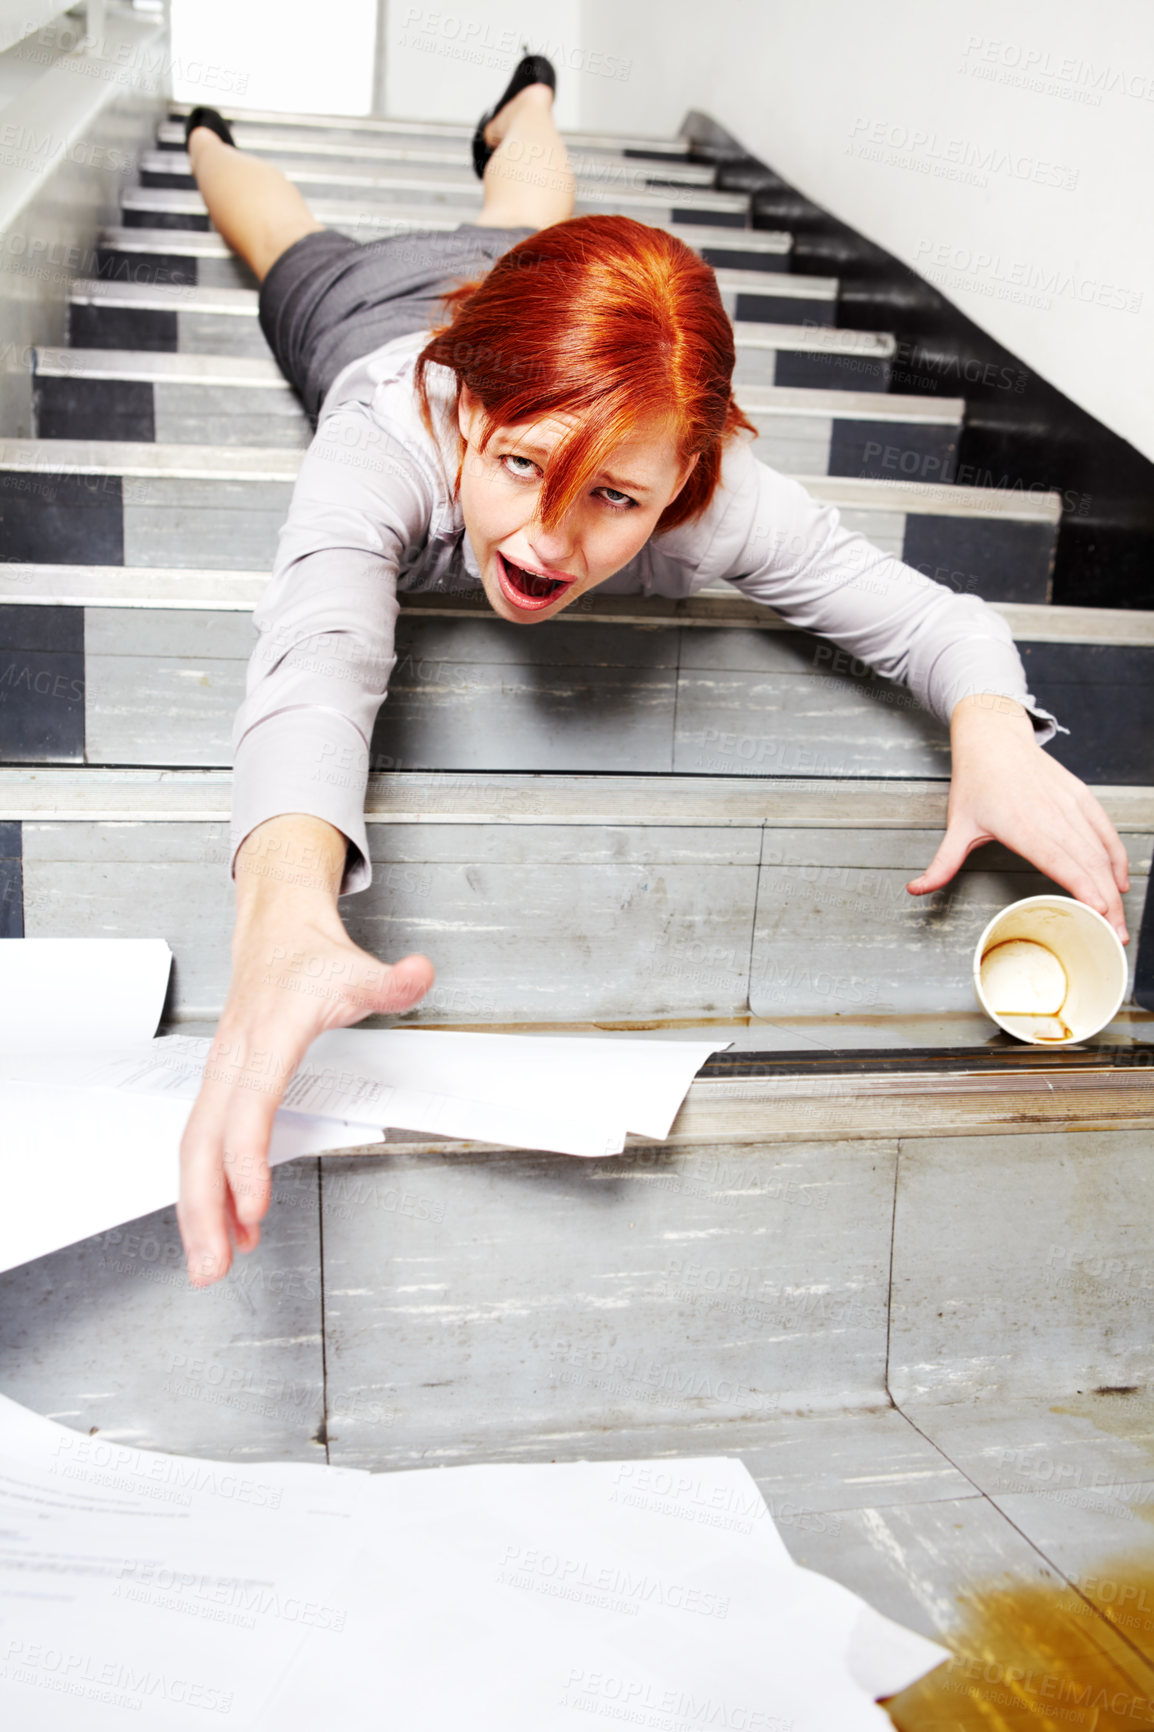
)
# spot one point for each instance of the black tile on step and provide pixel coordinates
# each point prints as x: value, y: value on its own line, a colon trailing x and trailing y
x: 41, y: 707
x: 1107, y: 742
x: 727, y: 258
x: 164, y: 219
x: 993, y: 557
x: 1092, y: 664
x: 164, y: 177
x: 1104, y: 694
x: 1144, y: 962
x: 43, y: 629
x: 796, y: 367
x: 113, y: 266
x: 768, y: 309
x: 713, y: 219
x: 11, y: 881
x: 96, y: 327
x: 41, y: 691
x: 889, y: 451
x: 61, y: 519
x: 94, y: 409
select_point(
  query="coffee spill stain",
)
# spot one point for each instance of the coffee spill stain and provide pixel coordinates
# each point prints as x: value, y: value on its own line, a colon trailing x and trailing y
x: 1044, y: 1656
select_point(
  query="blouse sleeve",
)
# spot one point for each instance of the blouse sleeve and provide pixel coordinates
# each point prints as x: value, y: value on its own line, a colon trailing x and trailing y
x: 321, y: 664
x: 779, y: 546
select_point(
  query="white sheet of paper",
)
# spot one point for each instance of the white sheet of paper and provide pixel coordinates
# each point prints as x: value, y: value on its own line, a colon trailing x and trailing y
x: 543, y: 1598
x: 566, y: 1094
x: 88, y: 992
x: 156, y: 1590
x: 502, y: 1598
x: 76, y: 1161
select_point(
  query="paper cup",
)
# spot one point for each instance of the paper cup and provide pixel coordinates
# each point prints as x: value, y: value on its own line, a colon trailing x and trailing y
x: 1050, y: 971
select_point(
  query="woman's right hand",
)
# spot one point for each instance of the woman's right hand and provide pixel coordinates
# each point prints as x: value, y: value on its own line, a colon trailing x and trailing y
x: 295, y: 974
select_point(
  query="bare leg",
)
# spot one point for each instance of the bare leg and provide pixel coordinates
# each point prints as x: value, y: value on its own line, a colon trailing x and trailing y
x: 528, y: 182
x: 252, y: 205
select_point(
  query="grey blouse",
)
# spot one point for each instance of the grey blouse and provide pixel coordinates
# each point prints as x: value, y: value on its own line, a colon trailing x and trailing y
x: 373, y: 514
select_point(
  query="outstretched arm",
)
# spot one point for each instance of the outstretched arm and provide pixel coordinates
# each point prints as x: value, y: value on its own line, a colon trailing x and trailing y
x: 956, y: 654
x: 315, y: 681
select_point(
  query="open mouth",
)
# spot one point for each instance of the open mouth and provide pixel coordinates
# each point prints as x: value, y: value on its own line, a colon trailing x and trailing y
x: 529, y: 590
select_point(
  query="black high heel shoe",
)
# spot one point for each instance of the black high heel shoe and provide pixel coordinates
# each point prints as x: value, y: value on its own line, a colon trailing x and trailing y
x: 211, y: 118
x: 533, y: 69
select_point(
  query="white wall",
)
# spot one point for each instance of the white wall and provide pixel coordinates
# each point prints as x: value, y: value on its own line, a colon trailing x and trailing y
x: 1003, y: 148
x: 451, y: 63
x: 314, y: 56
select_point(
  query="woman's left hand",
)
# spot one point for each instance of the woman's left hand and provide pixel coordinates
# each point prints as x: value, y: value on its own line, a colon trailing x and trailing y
x: 1006, y: 789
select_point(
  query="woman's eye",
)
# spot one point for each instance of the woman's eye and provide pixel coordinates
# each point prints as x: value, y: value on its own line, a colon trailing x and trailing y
x: 511, y: 457
x: 620, y: 501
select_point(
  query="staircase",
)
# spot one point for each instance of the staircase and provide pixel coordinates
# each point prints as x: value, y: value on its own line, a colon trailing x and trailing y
x: 655, y: 817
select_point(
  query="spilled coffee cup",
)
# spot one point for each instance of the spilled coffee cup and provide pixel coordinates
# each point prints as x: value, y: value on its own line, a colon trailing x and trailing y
x: 1050, y: 971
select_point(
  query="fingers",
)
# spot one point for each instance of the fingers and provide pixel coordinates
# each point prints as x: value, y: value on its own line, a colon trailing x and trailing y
x: 1109, y: 838
x: 384, y: 989
x: 203, y: 1210
x: 1075, y: 858
x: 225, y: 1183
x: 958, y: 842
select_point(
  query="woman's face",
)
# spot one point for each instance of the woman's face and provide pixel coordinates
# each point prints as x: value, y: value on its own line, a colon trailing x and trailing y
x: 531, y: 573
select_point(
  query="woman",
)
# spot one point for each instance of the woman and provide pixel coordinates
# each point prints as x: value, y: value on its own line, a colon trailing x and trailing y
x: 572, y: 427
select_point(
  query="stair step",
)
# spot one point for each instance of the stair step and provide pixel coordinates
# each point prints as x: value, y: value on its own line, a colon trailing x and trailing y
x: 317, y: 149
x: 148, y: 667
x: 562, y: 898
x: 108, y: 502
x: 169, y: 169
x: 183, y: 398
x: 375, y: 126
x: 223, y: 321
x: 137, y: 253
x: 187, y: 589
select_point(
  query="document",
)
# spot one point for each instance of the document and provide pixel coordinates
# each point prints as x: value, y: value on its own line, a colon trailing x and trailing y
x: 157, y: 1590
x: 567, y: 1094
x: 81, y: 992
x: 503, y: 1598
x: 76, y: 1161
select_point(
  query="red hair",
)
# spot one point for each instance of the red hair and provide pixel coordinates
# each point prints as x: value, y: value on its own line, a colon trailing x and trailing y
x: 608, y: 321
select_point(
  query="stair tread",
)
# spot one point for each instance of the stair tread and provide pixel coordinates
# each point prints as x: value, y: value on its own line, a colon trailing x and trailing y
x: 91, y: 793
x: 209, y: 590
x: 207, y: 243
x: 467, y: 187
x: 445, y: 153
x: 243, y: 303
x: 273, y: 463
x: 243, y: 370
x: 393, y: 126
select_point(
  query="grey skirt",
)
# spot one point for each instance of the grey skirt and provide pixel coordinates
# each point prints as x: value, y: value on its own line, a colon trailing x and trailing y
x: 329, y: 300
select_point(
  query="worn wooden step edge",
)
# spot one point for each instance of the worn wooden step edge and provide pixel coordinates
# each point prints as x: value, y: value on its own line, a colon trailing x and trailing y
x: 239, y: 591
x: 146, y: 460
x: 69, y: 794
x: 738, y: 1115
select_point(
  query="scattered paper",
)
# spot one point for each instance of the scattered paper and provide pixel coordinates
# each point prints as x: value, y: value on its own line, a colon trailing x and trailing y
x: 502, y: 1598
x: 87, y: 992
x: 158, y: 1590
x: 566, y: 1094
x: 77, y: 1161
x: 95, y: 1105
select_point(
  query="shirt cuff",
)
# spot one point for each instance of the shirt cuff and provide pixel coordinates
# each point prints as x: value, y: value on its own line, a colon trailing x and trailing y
x: 981, y: 662
x: 307, y: 760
